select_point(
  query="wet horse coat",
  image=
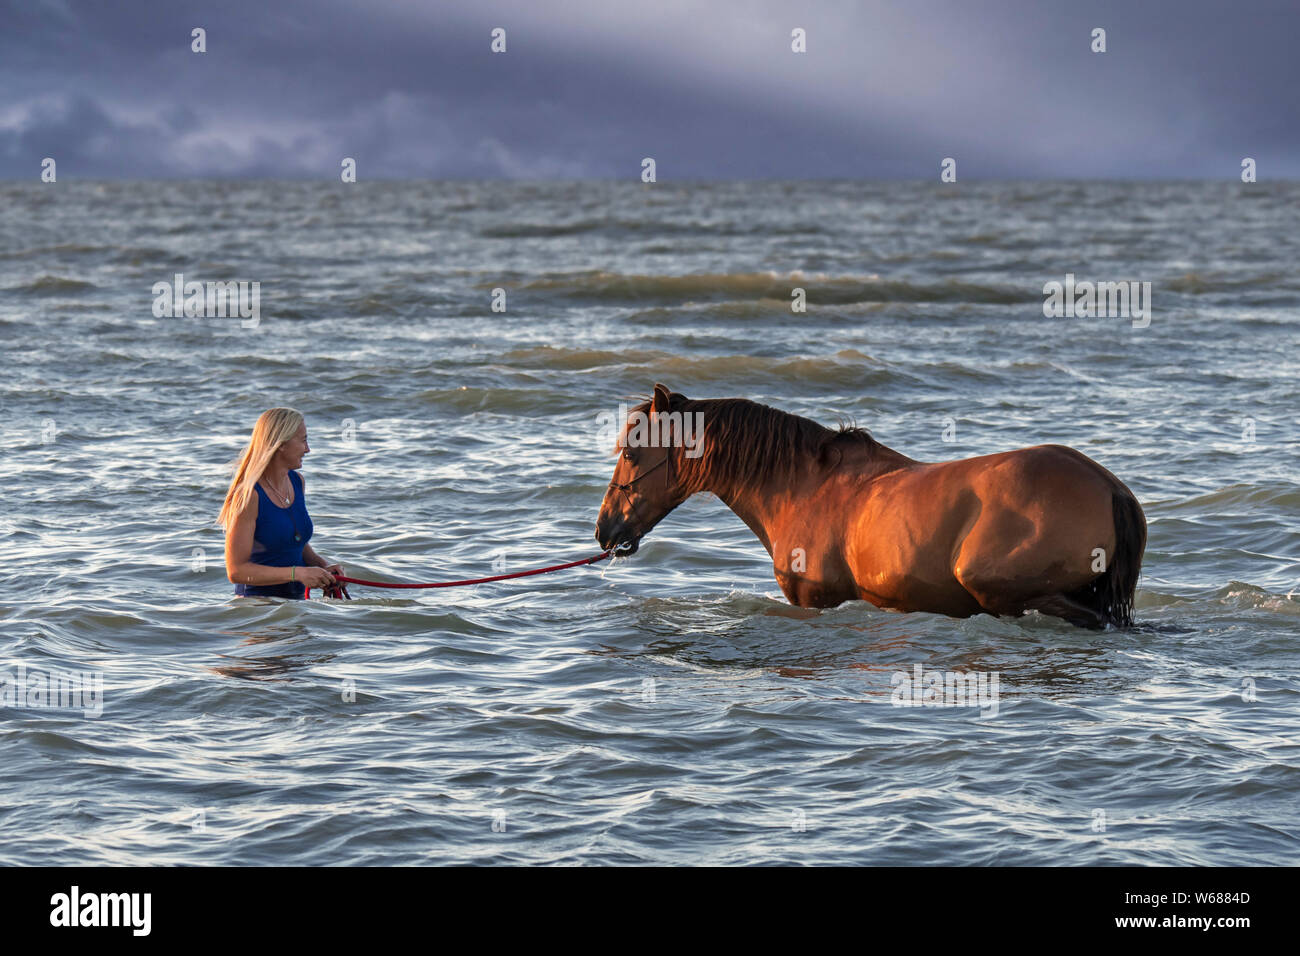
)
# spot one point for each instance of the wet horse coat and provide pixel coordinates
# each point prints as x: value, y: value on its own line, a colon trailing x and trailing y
x: 846, y: 518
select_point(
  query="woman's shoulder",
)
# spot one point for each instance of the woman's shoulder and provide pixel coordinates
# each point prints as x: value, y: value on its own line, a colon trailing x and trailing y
x: 250, y: 506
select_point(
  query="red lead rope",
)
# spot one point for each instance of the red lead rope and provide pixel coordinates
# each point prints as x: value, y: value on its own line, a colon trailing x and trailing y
x: 339, y: 591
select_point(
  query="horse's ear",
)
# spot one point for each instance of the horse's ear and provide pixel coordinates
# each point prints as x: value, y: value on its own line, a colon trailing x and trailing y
x: 662, y: 398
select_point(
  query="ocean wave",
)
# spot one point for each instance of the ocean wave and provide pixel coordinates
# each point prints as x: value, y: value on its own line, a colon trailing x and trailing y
x: 473, y: 399
x: 741, y: 374
x: 392, y: 302
x: 52, y: 285
x: 59, y: 249
x: 820, y: 288
x: 527, y: 230
x: 1250, y: 496
x: 1240, y: 595
x: 847, y: 368
x: 1237, y: 595
x: 557, y: 357
x: 1199, y: 283
x: 139, y: 255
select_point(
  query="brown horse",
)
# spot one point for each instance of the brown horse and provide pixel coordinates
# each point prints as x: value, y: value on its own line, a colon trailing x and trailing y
x: 845, y: 518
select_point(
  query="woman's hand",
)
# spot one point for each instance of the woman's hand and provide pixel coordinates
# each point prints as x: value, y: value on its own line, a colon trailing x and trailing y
x: 315, y: 577
x: 342, y: 588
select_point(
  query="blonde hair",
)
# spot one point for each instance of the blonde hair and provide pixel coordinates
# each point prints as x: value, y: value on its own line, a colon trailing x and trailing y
x: 274, y: 427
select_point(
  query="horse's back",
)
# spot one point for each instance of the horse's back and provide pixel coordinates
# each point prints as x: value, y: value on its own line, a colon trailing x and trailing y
x: 1021, y: 474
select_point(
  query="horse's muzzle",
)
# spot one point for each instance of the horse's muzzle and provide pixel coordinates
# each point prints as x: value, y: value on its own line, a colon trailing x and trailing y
x: 619, y: 539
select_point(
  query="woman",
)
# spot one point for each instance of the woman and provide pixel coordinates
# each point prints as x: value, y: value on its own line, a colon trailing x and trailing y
x: 265, y: 517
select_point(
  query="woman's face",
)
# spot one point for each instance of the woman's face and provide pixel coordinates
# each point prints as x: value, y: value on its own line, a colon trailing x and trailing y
x: 291, y: 452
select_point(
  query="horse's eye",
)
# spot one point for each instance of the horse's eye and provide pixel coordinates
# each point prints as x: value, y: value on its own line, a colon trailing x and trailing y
x: 627, y: 454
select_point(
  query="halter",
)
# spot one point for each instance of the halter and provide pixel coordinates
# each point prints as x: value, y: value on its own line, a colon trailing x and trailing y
x: 624, y: 486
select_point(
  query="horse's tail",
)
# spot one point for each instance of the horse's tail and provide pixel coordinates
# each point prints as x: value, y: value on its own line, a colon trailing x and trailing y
x: 1111, y: 595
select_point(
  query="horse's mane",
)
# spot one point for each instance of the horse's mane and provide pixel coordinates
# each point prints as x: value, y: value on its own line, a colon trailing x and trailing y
x: 743, y: 440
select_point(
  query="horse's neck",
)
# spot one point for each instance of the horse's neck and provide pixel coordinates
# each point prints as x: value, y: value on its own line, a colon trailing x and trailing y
x: 760, y: 501
x: 753, y: 508
x: 762, y: 504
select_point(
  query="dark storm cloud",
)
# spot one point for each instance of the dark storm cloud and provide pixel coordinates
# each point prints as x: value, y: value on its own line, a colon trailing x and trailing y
x: 710, y: 89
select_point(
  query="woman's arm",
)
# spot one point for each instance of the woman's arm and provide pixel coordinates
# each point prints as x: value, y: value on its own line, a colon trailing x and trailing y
x: 316, y: 561
x: 239, y: 548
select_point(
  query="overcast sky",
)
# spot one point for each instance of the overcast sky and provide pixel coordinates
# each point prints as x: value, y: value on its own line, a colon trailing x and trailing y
x: 709, y: 88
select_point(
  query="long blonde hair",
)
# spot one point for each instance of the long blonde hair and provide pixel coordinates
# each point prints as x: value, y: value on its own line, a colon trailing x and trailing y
x: 274, y: 427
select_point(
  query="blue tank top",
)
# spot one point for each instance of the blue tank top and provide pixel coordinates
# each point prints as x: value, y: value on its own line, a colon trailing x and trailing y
x: 278, y: 540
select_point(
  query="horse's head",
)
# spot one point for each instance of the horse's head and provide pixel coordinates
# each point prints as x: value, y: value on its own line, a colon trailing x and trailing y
x: 646, y: 484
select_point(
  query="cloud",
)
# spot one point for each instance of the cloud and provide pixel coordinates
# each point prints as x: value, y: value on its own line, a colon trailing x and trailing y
x: 710, y: 89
